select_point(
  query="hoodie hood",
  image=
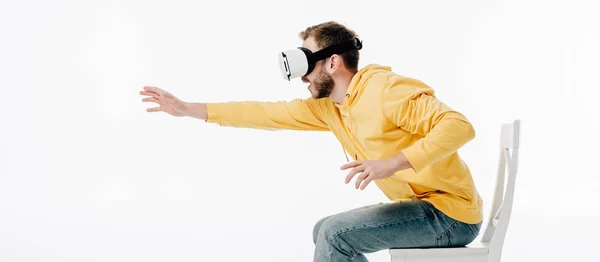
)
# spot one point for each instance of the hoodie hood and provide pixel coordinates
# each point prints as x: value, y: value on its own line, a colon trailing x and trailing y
x: 357, y: 84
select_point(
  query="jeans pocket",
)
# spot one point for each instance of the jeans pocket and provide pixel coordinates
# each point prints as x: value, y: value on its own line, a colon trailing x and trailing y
x: 444, y: 239
x: 475, y: 228
x: 459, y: 234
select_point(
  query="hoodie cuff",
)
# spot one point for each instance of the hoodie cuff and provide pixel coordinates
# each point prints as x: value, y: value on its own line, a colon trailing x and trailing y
x: 416, y: 156
x: 214, y: 113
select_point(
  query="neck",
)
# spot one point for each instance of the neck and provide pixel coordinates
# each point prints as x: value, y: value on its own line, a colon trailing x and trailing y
x: 342, y: 82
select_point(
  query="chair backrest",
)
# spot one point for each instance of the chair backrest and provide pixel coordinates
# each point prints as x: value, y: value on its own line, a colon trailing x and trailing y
x: 503, y: 200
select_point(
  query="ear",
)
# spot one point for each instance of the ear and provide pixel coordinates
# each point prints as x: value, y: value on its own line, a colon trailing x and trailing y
x: 333, y: 63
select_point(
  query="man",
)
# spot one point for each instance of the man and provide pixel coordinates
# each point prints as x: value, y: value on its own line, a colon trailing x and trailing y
x: 403, y: 139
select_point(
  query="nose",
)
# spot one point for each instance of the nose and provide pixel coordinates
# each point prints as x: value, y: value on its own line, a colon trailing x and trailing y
x: 304, y: 79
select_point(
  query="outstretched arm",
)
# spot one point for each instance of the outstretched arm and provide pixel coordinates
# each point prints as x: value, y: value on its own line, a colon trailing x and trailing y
x: 297, y: 114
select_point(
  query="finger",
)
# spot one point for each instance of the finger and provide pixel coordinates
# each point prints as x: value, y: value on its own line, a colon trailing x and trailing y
x: 365, y: 173
x: 351, y: 164
x: 354, y: 172
x: 150, y: 99
x: 154, y: 109
x: 360, y: 178
x: 148, y: 93
x: 153, y: 89
x: 366, y: 182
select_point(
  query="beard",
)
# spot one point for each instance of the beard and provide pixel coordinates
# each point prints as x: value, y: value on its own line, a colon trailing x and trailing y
x: 324, y: 84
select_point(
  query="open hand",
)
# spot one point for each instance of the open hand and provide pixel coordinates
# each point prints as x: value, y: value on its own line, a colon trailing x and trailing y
x: 375, y: 169
x: 166, y: 101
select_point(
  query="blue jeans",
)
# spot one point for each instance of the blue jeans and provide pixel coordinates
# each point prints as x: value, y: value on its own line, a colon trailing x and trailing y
x: 347, y: 236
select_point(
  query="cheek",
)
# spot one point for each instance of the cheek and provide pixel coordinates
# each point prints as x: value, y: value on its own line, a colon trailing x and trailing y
x: 314, y: 73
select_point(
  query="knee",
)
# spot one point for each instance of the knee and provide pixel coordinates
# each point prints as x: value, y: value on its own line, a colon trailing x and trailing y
x: 317, y: 228
x: 330, y: 227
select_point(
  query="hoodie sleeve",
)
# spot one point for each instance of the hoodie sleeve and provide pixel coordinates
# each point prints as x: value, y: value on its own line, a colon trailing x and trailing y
x: 297, y: 114
x: 412, y: 106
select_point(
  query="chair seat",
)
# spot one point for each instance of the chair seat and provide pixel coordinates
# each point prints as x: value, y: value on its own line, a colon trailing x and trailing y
x: 473, y: 248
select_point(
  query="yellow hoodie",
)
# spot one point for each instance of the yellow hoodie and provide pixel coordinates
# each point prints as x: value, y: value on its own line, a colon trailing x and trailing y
x: 383, y: 114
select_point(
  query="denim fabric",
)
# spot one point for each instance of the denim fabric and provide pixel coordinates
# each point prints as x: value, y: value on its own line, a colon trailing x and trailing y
x: 347, y: 236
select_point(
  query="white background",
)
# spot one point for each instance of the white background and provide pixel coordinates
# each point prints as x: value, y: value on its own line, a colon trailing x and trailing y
x: 86, y: 174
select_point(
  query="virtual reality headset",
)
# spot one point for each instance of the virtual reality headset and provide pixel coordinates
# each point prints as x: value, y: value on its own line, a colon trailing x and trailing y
x: 301, y: 61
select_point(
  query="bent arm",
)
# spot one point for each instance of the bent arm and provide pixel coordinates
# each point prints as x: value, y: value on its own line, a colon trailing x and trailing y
x: 412, y: 106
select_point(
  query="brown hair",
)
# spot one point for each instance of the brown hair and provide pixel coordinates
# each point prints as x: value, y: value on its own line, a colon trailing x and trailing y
x: 331, y: 33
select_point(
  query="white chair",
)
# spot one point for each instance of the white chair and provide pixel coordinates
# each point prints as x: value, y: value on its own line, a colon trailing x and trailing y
x: 489, y: 249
